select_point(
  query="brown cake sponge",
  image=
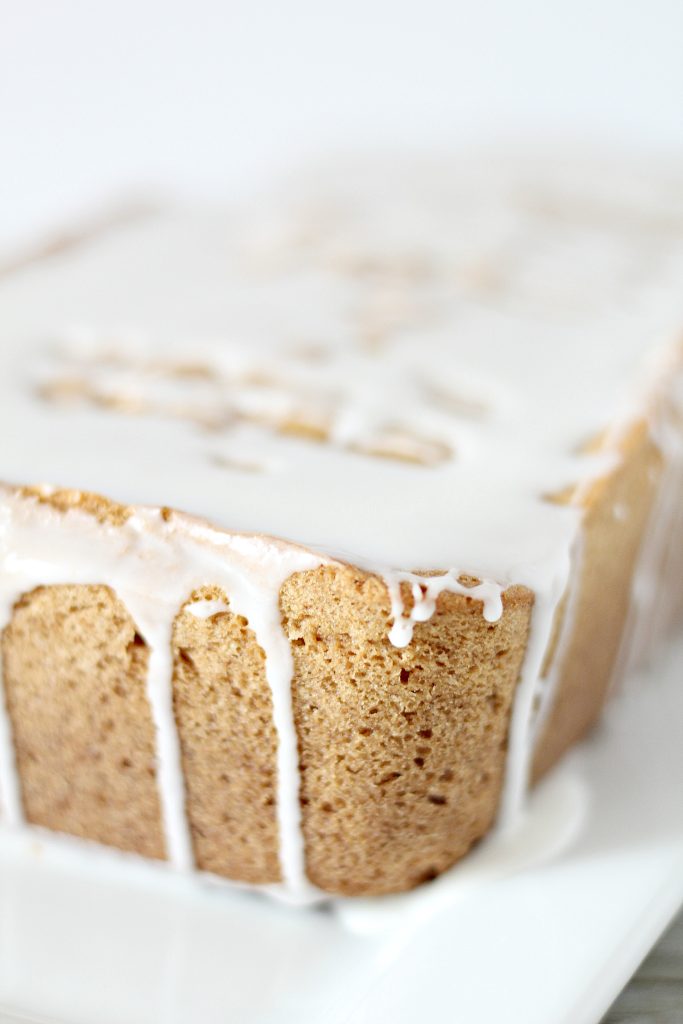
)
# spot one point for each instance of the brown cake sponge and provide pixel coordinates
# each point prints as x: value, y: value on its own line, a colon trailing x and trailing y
x: 74, y: 674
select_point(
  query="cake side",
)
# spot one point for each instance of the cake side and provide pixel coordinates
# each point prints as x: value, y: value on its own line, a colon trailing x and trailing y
x: 617, y: 515
x: 223, y: 714
x: 627, y: 593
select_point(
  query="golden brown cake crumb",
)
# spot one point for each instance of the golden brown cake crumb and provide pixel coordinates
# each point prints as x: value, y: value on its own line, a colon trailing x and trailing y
x: 74, y: 676
x: 224, y: 712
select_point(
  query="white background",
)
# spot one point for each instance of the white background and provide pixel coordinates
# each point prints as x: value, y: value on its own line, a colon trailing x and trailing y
x: 208, y: 96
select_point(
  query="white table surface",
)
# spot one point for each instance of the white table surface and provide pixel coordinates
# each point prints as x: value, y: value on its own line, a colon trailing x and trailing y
x: 655, y: 993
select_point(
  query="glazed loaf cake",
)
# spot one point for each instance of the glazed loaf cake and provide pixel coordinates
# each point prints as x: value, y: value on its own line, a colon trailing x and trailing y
x: 393, y: 489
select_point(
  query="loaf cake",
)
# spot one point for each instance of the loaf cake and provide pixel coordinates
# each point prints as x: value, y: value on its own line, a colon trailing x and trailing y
x: 329, y: 520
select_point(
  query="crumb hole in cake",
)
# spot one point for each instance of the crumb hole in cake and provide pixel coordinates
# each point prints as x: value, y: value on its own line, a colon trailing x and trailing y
x: 186, y: 659
x: 425, y: 734
x: 419, y: 761
x: 436, y: 799
x: 494, y: 701
x: 390, y: 777
x: 365, y: 731
x: 405, y: 675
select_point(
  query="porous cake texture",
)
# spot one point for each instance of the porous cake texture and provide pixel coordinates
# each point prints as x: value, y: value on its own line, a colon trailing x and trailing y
x: 377, y: 544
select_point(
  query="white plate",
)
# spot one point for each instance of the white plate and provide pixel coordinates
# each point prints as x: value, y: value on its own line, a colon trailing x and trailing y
x: 543, y: 926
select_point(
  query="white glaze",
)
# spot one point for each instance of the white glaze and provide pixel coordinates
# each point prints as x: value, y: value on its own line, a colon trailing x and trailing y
x: 656, y: 596
x: 521, y: 733
x: 548, y: 679
x: 425, y: 591
x: 482, y: 320
x: 553, y: 336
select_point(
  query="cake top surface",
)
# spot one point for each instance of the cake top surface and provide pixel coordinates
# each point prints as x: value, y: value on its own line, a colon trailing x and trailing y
x: 393, y: 363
